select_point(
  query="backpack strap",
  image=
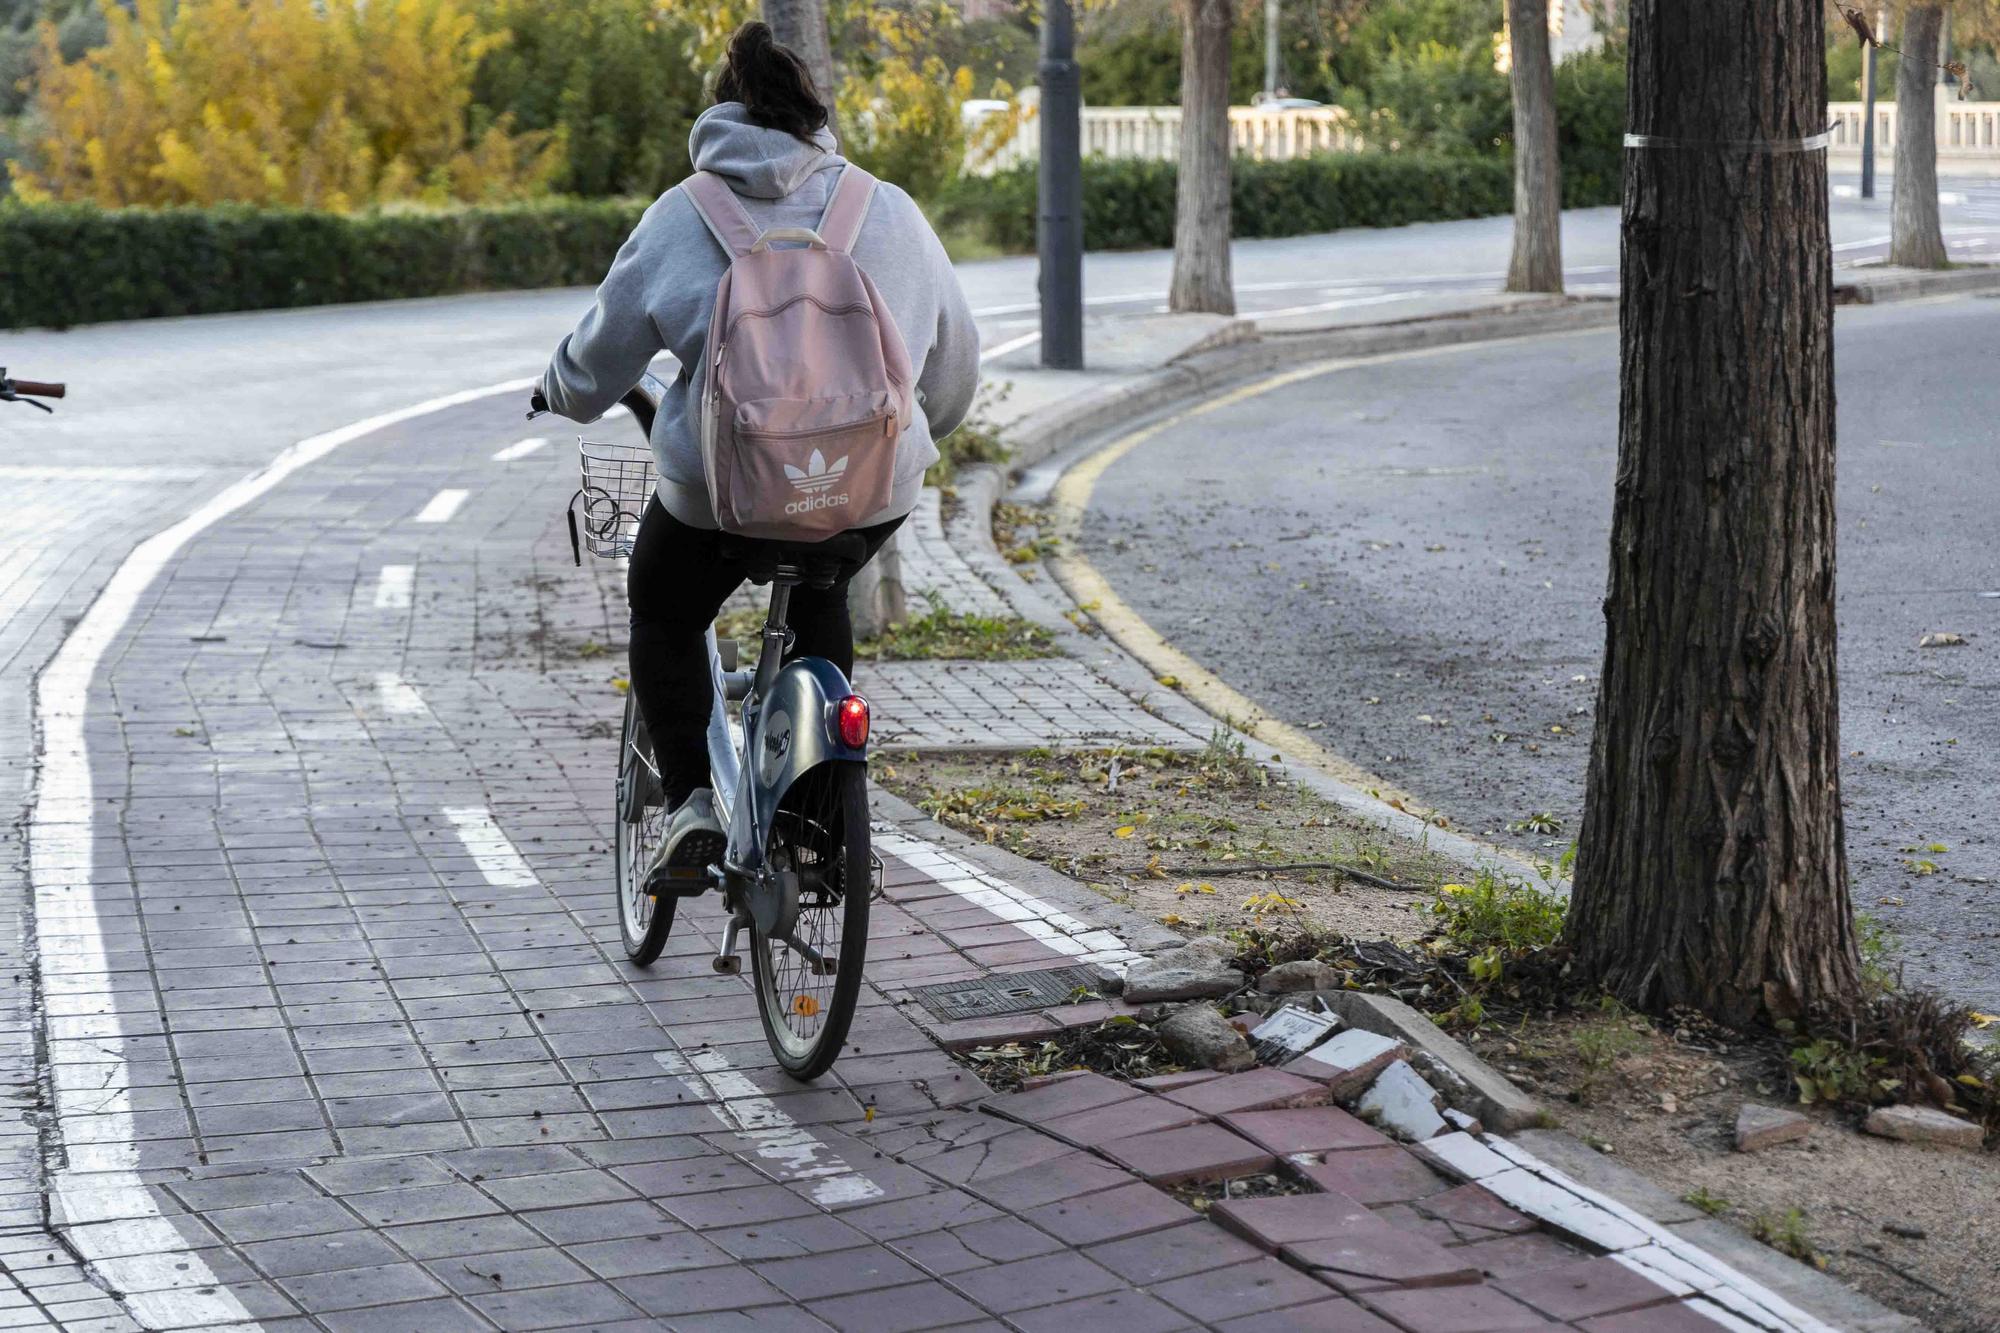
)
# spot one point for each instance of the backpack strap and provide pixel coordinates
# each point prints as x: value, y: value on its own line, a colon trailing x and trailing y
x: 840, y: 225
x: 723, y: 212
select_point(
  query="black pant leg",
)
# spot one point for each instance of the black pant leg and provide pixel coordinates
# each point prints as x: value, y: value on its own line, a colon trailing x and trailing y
x: 677, y: 583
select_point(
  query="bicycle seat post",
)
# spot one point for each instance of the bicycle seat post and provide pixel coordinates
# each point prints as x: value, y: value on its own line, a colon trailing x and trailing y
x: 777, y: 634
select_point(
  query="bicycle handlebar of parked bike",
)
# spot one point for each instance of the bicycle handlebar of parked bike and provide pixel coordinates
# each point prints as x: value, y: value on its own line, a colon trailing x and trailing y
x: 39, y: 389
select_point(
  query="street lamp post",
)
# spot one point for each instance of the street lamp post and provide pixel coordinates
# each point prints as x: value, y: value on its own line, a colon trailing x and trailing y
x: 1059, y: 230
x: 1271, y: 48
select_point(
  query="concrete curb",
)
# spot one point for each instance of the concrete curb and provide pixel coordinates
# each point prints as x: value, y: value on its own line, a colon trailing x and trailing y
x: 1915, y: 284
x: 1039, y: 434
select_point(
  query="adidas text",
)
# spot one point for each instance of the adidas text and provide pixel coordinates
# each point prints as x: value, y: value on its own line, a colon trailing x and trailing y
x: 816, y: 502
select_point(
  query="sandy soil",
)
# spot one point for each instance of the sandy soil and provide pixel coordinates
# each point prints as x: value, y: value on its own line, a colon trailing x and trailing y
x: 1669, y: 1111
x: 1170, y: 834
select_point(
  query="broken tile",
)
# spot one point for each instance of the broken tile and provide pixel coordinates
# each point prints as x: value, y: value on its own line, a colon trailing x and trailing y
x: 1584, y: 1290
x: 1253, y: 1090
x: 1348, y: 1062
x: 1311, y: 1129
x: 1401, y: 1102
x: 1370, y: 1175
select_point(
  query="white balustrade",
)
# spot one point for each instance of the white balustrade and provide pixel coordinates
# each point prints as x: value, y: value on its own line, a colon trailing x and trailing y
x: 1968, y: 134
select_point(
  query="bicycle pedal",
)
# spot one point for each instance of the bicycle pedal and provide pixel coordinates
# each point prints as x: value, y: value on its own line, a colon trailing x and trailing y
x: 731, y: 966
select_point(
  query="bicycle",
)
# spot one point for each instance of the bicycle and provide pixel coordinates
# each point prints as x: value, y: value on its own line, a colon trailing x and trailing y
x: 29, y: 391
x: 790, y: 783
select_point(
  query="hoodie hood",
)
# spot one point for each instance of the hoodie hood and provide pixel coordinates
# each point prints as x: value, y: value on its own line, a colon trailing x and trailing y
x: 758, y: 162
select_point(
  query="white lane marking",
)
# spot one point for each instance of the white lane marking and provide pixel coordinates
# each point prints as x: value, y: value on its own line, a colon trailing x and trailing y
x: 1038, y: 920
x: 772, y: 1134
x: 492, y: 850
x: 67, y: 924
x: 520, y: 449
x: 392, y: 591
x: 442, y: 506
x: 87, y: 472
x: 397, y: 696
x: 1011, y: 345
x: 1289, y: 285
x: 1323, y: 306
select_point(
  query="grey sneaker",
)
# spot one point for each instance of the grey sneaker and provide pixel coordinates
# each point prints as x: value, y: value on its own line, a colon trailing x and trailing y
x: 695, y: 841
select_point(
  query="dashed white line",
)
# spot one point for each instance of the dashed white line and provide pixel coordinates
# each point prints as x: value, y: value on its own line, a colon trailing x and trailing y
x: 393, y: 589
x: 442, y: 506
x: 520, y: 449
x: 1011, y: 345
x: 771, y: 1133
x: 89, y: 1076
x: 491, y: 849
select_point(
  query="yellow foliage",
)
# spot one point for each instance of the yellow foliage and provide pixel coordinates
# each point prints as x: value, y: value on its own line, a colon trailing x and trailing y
x: 336, y: 104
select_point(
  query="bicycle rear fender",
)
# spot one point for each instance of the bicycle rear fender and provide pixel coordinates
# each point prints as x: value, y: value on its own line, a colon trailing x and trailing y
x: 793, y: 733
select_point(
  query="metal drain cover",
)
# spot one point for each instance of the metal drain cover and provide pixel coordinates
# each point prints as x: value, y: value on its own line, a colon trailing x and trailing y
x: 1015, y: 993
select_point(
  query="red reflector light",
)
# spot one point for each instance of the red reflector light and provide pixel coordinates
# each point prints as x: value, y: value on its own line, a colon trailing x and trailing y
x: 851, y: 720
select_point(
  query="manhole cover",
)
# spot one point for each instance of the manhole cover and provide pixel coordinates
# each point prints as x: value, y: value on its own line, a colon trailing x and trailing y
x: 1017, y: 993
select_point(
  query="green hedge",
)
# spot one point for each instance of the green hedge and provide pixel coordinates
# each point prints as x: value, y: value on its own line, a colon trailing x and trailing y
x: 1130, y: 205
x: 75, y: 264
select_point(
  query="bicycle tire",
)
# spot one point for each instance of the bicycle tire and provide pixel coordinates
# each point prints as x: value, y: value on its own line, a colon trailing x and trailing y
x: 822, y: 830
x: 643, y: 922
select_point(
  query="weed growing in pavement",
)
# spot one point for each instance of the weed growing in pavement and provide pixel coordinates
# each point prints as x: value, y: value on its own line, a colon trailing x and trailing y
x: 943, y: 634
x: 1538, y: 822
x: 1712, y: 1204
x: 1601, y: 1045
x: 1786, y: 1233
x: 977, y: 439
x: 1494, y: 914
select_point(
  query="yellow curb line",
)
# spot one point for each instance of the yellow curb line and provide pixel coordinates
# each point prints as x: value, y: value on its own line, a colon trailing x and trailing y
x: 1070, y: 500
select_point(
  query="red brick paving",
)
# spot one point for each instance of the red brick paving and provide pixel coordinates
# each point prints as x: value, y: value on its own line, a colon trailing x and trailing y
x: 1192, y: 1152
x: 1314, y: 1129
x: 1252, y: 1090
x: 1583, y: 1290
x: 1373, y: 1175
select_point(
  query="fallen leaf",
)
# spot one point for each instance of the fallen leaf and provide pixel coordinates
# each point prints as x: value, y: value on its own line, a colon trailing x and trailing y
x: 1124, y: 830
x: 1941, y: 639
x: 1171, y: 682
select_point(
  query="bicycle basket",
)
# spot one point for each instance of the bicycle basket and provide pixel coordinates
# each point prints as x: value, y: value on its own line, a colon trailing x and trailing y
x: 617, y: 483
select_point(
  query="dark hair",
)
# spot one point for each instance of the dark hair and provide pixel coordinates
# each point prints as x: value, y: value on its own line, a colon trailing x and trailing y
x: 771, y: 82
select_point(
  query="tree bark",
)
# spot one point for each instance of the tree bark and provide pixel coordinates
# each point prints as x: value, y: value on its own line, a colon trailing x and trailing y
x: 876, y: 598
x: 1537, y: 261
x: 801, y: 25
x: 1711, y: 868
x: 1201, y: 278
x: 1916, y: 237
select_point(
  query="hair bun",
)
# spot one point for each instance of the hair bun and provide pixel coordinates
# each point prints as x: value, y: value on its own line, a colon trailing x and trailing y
x: 771, y: 82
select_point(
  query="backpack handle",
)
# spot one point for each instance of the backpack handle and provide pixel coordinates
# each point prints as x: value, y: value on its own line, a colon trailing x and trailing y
x: 805, y: 234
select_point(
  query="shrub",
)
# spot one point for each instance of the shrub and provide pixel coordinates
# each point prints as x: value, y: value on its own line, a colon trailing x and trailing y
x: 77, y: 264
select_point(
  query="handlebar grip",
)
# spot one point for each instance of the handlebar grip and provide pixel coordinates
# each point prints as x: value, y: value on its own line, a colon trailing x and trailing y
x: 38, y: 389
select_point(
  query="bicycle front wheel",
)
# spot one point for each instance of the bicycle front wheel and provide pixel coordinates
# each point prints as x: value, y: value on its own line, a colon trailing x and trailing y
x: 806, y: 996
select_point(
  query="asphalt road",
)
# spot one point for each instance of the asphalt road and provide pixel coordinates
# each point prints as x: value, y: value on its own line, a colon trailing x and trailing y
x: 1412, y: 553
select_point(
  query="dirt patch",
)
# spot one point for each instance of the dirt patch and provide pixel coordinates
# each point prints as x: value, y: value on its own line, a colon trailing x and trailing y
x: 1189, y: 839
x: 1667, y: 1108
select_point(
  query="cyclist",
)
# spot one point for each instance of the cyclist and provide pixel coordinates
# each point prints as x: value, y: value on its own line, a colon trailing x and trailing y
x: 767, y: 138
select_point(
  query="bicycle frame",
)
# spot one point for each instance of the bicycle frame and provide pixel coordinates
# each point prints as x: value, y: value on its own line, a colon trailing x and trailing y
x: 787, y: 728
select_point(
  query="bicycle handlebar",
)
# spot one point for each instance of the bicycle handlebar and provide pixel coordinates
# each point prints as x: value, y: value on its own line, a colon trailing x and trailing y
x: 39, y: 389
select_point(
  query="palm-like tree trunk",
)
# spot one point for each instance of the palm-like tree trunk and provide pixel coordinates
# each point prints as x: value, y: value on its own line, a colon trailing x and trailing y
x: 1201, y: 278
x: 1537, y: 261
x: 1916, y: 237
x: 1711, y: 868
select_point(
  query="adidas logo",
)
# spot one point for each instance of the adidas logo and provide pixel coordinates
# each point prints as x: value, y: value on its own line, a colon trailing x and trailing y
x: 816, y: 475
x: 814, y: 481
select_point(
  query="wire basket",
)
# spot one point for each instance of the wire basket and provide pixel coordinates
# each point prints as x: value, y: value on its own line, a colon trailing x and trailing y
x: 617, y: 483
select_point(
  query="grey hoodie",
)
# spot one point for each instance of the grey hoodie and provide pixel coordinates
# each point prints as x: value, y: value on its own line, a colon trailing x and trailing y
x: 661, y: 289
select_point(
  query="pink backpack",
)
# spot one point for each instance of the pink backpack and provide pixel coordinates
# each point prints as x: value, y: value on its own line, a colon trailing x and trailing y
x: 808, y: 380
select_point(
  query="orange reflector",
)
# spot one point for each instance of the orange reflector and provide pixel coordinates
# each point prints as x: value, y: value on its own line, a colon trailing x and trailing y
x: 805, y: 1006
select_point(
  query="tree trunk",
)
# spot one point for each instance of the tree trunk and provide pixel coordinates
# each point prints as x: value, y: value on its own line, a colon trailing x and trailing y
x: 1201, y: 200
x: 1711, y: 867
x: 1537, y: 263
x: 1916, y: 238
x: 801, y: 25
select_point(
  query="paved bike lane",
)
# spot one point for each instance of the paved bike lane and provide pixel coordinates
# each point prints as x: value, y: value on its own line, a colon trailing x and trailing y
x: 341, y: 1037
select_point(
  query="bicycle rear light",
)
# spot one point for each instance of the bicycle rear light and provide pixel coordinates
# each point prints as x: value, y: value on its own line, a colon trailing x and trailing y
x: 851, y: 721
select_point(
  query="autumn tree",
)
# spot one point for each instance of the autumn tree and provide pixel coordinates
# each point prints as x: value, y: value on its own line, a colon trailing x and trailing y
x: 1201, y: 279
x: 1536, y: 265
x: 1711, y: 869
x: 331, y: 104
x: 610, y: 78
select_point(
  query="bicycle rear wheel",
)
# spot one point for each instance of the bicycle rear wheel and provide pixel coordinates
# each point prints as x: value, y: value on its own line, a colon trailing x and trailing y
x: 642, y: 816
x: 820, y: 835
